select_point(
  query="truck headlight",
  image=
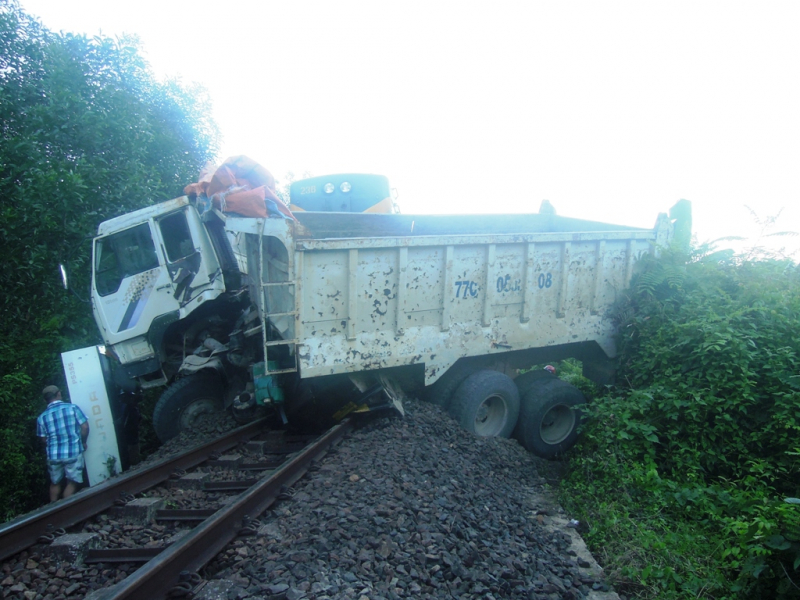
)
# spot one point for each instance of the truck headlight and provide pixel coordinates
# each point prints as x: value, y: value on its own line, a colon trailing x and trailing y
x: 329, y: 188
x: 345, y: 187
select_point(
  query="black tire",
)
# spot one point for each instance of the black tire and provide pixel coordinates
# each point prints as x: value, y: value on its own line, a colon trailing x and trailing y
x: 184, y: 401
x: 532, y: 378
x: 441, y: 392
x: 487, y: 404
x: 549, y: 417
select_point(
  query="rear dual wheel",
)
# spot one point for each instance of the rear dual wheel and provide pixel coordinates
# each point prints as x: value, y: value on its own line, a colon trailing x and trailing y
x: 549, y: 417
x: 487, y: 404
x: 542, y: 411
x: 441, y: 392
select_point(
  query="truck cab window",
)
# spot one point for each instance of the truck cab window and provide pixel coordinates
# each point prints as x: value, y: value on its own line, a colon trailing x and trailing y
x: 121, y: 255
x: 177, y: 238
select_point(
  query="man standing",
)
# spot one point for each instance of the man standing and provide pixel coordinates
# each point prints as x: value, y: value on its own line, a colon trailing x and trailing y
x: 64, y: 429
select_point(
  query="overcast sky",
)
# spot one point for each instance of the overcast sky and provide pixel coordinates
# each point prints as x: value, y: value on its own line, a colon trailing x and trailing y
x: 611, y: 110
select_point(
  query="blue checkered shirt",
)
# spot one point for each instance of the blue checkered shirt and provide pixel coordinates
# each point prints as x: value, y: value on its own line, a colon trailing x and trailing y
x: 61, y: 425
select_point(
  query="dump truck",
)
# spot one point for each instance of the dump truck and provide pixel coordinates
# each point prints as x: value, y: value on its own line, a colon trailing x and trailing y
x: 313, y: 313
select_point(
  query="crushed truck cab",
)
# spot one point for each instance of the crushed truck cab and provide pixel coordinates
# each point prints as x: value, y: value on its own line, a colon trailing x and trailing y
x: 153, y: 268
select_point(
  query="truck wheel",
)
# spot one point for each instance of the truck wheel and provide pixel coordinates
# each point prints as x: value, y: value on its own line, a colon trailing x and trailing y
x: 441, y: 392
x: 532, y: 378
x: 185, y: 400
x: 487, y: 404
x: 549, y: 417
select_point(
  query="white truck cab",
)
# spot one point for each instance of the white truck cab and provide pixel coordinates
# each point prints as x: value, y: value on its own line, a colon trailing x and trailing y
x: 151, y: 268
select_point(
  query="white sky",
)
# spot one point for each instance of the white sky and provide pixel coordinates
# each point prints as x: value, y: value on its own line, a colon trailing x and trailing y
x: 611, y: 110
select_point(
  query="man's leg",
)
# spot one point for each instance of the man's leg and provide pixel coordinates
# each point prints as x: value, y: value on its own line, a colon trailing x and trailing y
x: 74, y: 471
x: 70, y: 488
x: 55, y: 491
x: 56, y: 471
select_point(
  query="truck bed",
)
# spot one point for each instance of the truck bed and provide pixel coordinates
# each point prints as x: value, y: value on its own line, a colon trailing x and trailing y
x: 354, y: 225
x: 361, y: 292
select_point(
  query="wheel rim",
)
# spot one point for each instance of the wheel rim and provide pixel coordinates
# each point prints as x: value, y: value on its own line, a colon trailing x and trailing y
x: 491, y: 416
x: 192, y: 412
x: 557, y: 424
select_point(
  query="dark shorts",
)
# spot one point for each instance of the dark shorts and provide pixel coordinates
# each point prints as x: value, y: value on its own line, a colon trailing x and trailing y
x: 72, y: 467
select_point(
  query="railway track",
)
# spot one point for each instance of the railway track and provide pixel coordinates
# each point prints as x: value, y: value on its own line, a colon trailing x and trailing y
x: 170, y: 569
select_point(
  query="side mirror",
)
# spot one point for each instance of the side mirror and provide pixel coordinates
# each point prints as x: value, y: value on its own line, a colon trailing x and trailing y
x: 64, y: 278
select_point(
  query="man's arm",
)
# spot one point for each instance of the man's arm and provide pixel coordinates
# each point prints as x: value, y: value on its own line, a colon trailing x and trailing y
x: 40, y: 432
x: 84, y: 423
x: 84, y: 433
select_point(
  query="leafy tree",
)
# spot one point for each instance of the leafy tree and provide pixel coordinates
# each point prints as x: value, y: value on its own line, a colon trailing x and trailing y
x: 86, y: 133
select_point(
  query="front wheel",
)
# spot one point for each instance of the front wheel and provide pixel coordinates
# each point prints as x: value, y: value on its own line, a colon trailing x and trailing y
x: 549, y: 417
x: 184, y: 401
x: 487, y: 404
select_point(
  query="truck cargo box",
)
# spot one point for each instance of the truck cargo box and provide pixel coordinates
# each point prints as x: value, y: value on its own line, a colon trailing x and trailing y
x: 359, y: 292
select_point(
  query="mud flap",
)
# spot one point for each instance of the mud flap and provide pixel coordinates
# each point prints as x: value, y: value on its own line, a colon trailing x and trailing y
x: 385, y: 395
x: 394, y: 393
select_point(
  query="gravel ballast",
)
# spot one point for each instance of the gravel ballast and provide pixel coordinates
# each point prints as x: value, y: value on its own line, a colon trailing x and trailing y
x: 404, y: 507
x: 413, y: 507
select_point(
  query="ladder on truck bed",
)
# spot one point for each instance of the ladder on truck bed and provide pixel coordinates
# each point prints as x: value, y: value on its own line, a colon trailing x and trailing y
x: 264, y: 287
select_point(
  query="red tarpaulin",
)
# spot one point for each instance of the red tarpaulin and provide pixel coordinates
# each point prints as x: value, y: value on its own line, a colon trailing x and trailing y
x: 240, y: 185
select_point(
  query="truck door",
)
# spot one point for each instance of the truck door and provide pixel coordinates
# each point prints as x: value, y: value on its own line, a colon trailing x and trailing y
x: 133, y: 284
x: 182, y: 257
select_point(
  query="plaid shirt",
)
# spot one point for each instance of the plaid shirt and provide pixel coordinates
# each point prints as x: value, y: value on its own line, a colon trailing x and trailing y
x: 61, y: 425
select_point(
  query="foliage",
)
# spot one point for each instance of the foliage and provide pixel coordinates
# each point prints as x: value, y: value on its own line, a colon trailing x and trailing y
x: 570, y: 370
x: 684, y: 470
x: 86, y: 133
x: 23, y: 465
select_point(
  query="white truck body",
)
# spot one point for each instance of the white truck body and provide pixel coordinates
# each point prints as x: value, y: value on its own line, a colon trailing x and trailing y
x: 360, y: 292
x: 351, y: 303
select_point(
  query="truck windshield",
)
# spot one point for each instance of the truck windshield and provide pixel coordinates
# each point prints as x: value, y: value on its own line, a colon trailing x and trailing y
x: 121, y: 255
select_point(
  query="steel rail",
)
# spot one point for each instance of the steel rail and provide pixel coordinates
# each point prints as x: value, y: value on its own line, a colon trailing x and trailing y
x: 23, y: 532
x: 156, y: 578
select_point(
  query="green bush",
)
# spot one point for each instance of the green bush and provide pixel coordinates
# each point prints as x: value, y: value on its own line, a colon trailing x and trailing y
x: 698, y: 444
x: 23, y: 465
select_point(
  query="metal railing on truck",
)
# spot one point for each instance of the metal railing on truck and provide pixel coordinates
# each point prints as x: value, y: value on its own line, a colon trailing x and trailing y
x: 263, y: 287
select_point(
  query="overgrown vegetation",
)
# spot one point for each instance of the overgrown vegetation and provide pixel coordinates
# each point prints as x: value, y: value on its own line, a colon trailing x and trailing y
x: 688, y: 472
x: 86, y: 133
